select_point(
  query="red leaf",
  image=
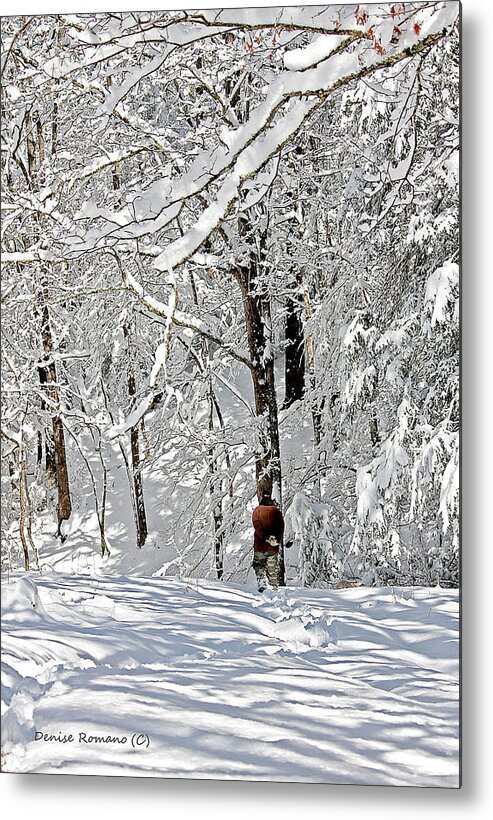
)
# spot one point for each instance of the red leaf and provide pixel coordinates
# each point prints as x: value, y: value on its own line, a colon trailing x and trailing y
x: 361, y: 17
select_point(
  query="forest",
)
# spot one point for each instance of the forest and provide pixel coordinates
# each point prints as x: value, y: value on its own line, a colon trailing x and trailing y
x: 230, y: 263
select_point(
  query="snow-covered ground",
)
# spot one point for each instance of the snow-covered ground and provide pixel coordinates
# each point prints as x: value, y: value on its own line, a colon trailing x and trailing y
x: 194, y: 678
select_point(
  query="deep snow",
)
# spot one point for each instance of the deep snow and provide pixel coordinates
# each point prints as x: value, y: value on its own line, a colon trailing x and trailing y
x: 217, y: 681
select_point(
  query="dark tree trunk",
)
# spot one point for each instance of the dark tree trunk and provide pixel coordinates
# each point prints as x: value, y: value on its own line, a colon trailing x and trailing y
x: 256, y: 305
x: 55, y: 453
x: 22, y: 514
x: 317, y: 404
x: 257, y: 314
x: 138, y: 488
x: 217, y: 516
x: 64, y: 505
x: 49, y: 445
x: 215, y: 483
x: 374, y: 434
x: 141, y: 519
x: 295, y: 347
x: 54, y: 448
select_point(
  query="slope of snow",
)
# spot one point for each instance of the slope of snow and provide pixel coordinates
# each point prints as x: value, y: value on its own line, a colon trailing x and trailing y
x: 187, y: 678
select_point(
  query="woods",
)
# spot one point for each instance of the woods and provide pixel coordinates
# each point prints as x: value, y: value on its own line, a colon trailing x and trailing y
x: 231, y: 263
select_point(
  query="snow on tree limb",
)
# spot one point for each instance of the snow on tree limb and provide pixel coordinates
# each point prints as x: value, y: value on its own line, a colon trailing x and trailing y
x: 294, y: 95
x: 318, y: 83
x: 169, y: 312
x: 251, y: 159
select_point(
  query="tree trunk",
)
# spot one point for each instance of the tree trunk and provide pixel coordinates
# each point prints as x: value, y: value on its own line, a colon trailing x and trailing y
x: 256, y: 306
x: 317, y: 405
x: 29, y: 527
x: 257, y: 316
x: 141, y: 519
x: 294, y: 368
x: 217, y: 515
x: 137, y: 488
x: 47, y: 436
x: 214, y: 481
x: 64, y: 505
x: 55, y: 453
x: 374, y: 434
x: 22, y: 511
x: 50, y: 381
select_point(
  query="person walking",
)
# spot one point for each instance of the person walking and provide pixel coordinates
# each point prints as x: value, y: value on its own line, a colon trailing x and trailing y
x: 268, y: 525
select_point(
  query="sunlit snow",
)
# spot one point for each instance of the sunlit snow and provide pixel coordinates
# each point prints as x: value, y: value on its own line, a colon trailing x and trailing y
x: 217, y: 681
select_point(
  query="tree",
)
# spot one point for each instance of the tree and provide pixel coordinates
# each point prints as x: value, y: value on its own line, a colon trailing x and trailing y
x: 247, y: 191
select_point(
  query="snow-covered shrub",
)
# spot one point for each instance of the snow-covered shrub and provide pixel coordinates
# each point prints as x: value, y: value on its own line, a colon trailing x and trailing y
x: 319, y: 559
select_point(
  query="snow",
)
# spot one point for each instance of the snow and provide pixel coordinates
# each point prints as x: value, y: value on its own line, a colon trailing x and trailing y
x: 246, y: 149
x: 440, y: 292
x: 173, y: 677
x: 301, y: 58
x: 449, y: 495
x: 157, y: 675
x: 251, y: 159
x: 167, y: 311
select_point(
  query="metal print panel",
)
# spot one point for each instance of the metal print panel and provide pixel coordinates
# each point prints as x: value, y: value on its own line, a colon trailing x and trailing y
x: 230, y: 358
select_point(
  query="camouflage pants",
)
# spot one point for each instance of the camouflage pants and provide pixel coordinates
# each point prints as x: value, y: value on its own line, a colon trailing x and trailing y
x: 266, y: 564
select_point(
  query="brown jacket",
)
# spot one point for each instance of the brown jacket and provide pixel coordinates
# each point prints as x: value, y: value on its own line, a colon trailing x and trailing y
x: 267, y: 520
